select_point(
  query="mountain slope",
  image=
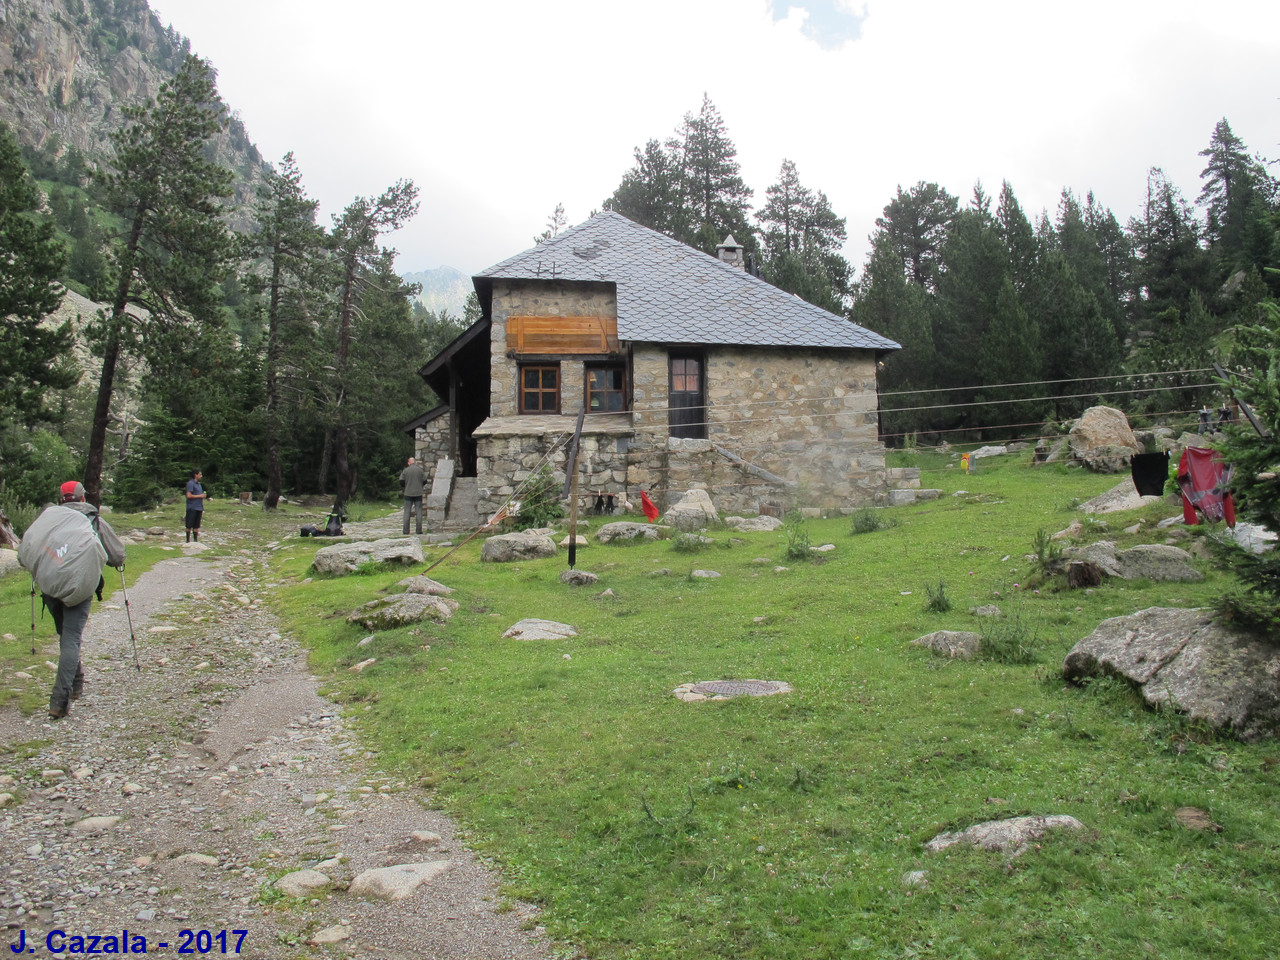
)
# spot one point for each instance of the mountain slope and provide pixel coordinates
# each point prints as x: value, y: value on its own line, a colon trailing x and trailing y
x: 68, y: 67
x: 443, y: 288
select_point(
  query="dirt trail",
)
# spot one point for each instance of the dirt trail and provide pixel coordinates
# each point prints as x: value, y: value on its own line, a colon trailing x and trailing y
x: 173, y: 798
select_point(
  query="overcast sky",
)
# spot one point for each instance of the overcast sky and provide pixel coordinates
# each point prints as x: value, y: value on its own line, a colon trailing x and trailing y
x: 500, y: 110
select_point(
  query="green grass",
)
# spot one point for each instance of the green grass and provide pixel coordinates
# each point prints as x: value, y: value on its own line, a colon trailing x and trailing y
x: 16, y: 616
x: 781, y: 827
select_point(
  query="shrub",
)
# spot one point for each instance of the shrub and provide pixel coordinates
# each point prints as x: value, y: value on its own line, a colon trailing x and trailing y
x: 35, y: 464
x: 1047, y: 550
x: 1254, y: 483
x: 797, y: 532
x: 869, y: 520
x: 539, y: 501
x: 690, y: 543
x: 938, y: 601
x: 1010, y: 639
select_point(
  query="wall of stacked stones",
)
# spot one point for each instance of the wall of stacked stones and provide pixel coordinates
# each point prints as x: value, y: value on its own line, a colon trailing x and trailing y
x: 808, y: 416
x: 431, y: 442
x: 540, y: 299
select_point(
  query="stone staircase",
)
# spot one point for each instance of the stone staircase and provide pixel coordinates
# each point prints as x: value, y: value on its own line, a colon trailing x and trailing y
x: 452, y: 502
x: 463, y: 513
x: 904, y: 486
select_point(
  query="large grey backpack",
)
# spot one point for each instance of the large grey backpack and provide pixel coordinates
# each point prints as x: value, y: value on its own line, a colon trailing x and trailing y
x: 64, y: 554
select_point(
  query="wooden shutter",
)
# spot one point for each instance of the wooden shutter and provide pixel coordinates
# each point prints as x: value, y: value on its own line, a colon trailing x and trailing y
x: 562, y: 336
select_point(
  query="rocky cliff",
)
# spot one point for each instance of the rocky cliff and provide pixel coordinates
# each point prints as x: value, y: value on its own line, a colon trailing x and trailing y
x: 68, y: 67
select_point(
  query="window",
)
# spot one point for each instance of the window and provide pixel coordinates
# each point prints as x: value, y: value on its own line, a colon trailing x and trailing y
x: 540, y: 389
x: 606, y: 389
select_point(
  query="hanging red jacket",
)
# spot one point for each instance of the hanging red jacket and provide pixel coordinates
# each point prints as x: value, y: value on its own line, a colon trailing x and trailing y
x: 650, y: 509
x: 1204, y: 480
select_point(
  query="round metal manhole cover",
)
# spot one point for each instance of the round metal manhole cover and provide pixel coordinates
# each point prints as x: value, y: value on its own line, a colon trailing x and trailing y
x: 724, y: 689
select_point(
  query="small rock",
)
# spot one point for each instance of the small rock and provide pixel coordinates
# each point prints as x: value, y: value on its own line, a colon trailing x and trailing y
x: 198, y: 859
x: 535, y: 629
x: 397, y: 882
x: 96, y: 824
x: 300, y: 883
x: 359, y: 667
x: 331, y: 935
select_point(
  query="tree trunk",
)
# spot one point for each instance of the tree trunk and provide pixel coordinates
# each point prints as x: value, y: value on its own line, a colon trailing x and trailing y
x: 110, y: 358
x: 343, y: 465
x: 322, y: 478
x: 101, y: 416
x: 272, y: 497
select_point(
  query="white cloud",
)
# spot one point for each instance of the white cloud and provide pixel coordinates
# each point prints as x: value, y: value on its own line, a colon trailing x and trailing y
x: 499, y: 110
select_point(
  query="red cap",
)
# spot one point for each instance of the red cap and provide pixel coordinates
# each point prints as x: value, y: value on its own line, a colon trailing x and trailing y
x: 72, y: 490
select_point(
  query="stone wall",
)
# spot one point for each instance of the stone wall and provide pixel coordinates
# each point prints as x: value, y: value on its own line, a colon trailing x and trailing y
x: 543, y: 299
x: 798, y: 426
x: 431, y: 442
x: 808, y: 416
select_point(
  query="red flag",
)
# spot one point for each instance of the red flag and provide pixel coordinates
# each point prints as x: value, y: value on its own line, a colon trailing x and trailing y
x: 647, y: 506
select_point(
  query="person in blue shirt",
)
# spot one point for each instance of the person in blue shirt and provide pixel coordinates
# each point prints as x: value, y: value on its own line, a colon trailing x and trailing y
x: 195, y: 506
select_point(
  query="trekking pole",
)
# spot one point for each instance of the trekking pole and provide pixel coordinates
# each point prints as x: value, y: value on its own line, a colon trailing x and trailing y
x: 33, y: 616
x: 129, y: 614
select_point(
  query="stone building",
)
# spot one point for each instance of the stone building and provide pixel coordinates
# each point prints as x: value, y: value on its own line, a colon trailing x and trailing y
x: 692, y: 373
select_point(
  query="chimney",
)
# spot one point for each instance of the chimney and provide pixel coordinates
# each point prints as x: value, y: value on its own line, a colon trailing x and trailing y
x: 730, y: 252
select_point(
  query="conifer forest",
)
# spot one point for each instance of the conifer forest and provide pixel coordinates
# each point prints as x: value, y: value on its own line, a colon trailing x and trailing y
x: 280, y: 354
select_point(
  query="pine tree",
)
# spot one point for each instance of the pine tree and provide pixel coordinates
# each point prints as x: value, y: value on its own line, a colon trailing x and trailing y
x: 976, y: 265
x: 1171, y: 262
x: 717, y: 198
x: 651, y: 192
x: 916, y: 223
x: 33, y: 358
x: 290, y: 244
x: 1254, y: 458
x: 175, y: 247
x: 357, y: 261
x: 1231, y: 178
x: 802, y: 241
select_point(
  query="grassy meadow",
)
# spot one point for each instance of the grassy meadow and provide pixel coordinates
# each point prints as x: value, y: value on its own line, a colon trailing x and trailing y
x: 779, y: 827
x: 783, y: 827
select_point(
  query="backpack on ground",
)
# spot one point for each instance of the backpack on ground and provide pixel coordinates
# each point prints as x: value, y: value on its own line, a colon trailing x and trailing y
x: 62, y: 551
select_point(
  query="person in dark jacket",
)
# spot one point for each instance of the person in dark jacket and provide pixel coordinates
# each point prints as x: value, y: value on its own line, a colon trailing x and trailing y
x: 68, y: 685
x: 195, y: 505
x: 413, y: 480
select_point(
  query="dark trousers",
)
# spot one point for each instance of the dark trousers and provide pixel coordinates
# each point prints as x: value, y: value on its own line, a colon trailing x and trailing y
x: 412, y: 505
x: 70, y: 622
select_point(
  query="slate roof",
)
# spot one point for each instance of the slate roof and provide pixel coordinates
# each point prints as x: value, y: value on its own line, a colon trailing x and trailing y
x: 671, y: 293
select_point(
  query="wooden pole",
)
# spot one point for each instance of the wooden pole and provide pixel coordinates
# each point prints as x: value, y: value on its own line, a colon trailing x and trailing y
x: 571, y: 468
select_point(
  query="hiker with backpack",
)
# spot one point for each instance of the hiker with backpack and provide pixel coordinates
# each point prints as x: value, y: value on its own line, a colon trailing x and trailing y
x: 64, y: 550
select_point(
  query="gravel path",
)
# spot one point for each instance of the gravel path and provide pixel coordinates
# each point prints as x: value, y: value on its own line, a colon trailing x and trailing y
x: 176, y: 797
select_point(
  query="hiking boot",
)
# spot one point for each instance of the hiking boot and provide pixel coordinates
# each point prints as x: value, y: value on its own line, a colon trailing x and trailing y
x: 58, y: 711
x: 77, y: 687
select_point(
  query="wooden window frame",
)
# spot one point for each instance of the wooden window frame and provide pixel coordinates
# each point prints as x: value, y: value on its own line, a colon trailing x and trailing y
x: 621, y: 392
x: 522, y: 391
